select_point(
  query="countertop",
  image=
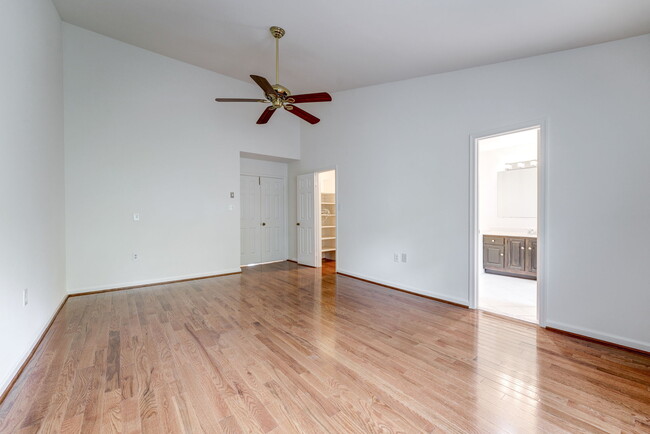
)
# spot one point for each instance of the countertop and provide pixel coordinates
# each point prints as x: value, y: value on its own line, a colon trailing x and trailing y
x: 510, y: 233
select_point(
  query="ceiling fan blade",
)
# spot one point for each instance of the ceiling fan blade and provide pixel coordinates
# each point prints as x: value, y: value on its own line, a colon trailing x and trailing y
x: 302, y: 114
x: 310, y: 97
x: 239, y: 100
x: 264, y: 84
x: 266, y: 115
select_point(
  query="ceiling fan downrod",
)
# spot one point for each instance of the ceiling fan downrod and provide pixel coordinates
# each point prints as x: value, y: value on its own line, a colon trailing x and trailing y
x: 277, y: 33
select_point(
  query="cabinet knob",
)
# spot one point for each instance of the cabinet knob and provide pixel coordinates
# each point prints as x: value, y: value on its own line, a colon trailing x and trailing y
x: 522, y: 248
x: 501, y: 254
x: 530, y: 248
x: 492, y: 240
x: 263, y: 224
x: 298, y: 224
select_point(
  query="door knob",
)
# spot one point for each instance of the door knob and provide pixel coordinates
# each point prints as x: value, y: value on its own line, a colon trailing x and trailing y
x: 298, y: 224
x: 263, y: 224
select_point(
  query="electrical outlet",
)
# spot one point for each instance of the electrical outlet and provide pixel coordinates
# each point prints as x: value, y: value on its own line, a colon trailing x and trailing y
x: 135, y: 257
x: 395, y: 257
x: 136, y: 217
x: 25, y: 300
x: 403, y: 257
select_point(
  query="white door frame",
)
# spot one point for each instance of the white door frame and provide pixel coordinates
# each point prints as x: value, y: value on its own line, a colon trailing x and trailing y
x: 319, y: 230
x: 317, y: 225
x: 542, y: 233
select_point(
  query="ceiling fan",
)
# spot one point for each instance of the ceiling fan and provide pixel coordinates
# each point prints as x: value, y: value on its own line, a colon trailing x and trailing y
x: 279, y: 96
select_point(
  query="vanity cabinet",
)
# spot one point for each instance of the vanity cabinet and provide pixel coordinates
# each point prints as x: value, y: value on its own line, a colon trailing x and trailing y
x: 511, y: 256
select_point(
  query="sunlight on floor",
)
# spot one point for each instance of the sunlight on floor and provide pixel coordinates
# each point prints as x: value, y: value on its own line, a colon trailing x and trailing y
x: 511, y: 296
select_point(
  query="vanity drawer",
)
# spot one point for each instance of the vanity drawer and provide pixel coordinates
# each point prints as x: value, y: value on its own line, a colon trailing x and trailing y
x: 491, y: 239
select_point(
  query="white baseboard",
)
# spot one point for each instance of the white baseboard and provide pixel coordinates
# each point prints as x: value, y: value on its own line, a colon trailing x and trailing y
x: 153, y: 281
x: 632, y: 343
x: 420, y: 291
x: 18, y: 365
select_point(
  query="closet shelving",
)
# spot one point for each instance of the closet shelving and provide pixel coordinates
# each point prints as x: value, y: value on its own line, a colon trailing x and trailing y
x: 328, y: 225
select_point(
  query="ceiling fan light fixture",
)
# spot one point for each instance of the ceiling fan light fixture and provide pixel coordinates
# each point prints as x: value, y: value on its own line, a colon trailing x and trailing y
x: 278, y: 95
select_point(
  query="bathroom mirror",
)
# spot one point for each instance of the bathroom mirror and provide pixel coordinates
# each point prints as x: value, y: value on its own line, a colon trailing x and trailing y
x: 517, y: 193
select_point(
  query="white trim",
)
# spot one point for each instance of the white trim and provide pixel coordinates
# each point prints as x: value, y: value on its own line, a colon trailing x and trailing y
x: 336, y: 211
x: 263, y: 263
x: 160, y: 280
x: 644, y: 346
x: 542, y: 210
x: 420, y: 291
x: 6, y: 381
x: 262, y: 174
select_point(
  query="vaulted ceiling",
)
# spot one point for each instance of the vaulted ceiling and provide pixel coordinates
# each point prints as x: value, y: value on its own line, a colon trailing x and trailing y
x: 336, y: 45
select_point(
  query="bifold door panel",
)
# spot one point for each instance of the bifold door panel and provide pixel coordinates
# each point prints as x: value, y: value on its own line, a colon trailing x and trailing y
x: 262, y: 219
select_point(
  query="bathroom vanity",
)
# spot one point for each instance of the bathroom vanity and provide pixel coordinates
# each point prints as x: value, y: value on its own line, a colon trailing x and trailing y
x: 510, y: 255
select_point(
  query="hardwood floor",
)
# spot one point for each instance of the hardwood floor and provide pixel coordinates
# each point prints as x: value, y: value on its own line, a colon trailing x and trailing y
x: 283, y: 348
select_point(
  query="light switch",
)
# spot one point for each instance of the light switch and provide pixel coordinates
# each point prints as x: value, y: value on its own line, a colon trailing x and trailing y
x: 136, y: 217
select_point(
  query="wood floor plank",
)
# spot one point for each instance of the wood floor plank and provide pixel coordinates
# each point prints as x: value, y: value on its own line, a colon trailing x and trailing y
x: 287, y: 349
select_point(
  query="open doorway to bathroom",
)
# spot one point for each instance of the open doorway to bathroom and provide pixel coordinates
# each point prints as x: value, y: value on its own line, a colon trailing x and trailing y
x: 507, y: 212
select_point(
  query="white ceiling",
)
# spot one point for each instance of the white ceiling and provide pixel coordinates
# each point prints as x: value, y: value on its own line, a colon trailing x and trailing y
x: 334, y: 45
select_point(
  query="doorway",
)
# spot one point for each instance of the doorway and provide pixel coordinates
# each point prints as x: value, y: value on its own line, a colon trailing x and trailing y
x: 327, y: 230
x: 506, y: 223
x: 262, y: 219
x: 316, y: 232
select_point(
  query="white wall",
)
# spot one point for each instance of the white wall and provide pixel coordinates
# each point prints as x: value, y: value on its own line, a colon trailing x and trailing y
x: 274, y: 169
x: 403, y: 178
x: 32, y: 253
x: 490, y: 163
x: 143, y: 134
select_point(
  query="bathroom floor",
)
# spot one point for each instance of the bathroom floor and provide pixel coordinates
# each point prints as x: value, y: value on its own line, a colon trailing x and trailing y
x: 511, y: 296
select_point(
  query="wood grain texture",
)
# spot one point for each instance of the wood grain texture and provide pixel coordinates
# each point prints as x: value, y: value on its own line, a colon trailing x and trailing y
x: 282, y: 348
x: 13, y: 381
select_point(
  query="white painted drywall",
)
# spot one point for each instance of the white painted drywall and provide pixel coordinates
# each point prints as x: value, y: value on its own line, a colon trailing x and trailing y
x: 32, y: 252
x: 402, y: 155
x: 144, y: 135
x: 490, y: 163
x: 255, y: 167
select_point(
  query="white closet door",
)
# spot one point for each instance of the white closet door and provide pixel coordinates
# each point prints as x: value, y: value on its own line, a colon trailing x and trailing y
x: 272, y: 216
x: 251, y: 252
x: 306, y: 224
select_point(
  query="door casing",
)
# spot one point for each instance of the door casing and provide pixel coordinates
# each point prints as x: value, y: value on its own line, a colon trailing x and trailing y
x: 542, y: 179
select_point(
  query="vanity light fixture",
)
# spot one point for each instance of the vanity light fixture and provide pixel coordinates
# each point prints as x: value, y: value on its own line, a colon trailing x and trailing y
x: 521, y: 165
